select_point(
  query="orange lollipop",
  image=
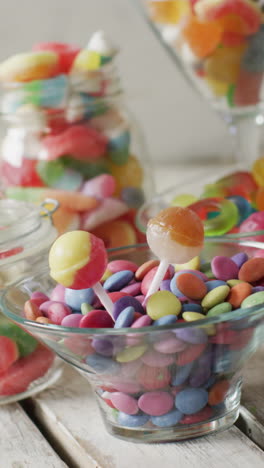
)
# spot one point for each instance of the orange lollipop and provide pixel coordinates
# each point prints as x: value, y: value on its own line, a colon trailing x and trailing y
x: 175, y: 235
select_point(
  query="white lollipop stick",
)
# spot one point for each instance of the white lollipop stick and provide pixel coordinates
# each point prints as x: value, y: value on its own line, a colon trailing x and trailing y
x: 104, y: 298
x: 160, y: 273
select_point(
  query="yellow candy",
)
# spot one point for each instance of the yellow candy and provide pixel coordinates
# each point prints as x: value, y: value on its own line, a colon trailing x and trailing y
x: 234, y: 282
x: 29, y: 66
x: 183, y: 200
x: 131, y: 353
x: 127, y: 175
x: 106, y: 275
x: 224, y: 64
x: 192, y: 316
x: 193, y: 264
x: 87, y: 60
x: 163, y: 303
x: 170, y: 11
x: 63, y: 267
x: 258, y: 171
x: 218, y: 88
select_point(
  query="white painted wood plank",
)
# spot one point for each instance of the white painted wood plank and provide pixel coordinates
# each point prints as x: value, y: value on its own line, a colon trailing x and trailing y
x: 21, y: 444
x: 70, y: 413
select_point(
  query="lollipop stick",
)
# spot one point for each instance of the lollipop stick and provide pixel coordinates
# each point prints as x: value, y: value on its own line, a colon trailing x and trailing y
x: 104, y: 298
x: 160, y: 273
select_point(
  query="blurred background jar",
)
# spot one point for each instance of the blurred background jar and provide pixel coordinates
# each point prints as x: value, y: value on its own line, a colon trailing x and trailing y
x: 26, y: 235
x: 72, y: 138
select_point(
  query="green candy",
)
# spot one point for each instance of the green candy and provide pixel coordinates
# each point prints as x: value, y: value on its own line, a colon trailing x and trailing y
x: 87, y: 169
x: 206, y: 269
x: 219, y: 309
x: 216, y: 296
x: 50, y: 171
x: 34, y: 195
x: 25, y: 342
x: 253, y: 300
x: 234, y: 282
x: 85, y: 308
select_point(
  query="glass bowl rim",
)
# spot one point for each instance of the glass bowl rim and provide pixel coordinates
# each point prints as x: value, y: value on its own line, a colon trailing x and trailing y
x: 53, y: 329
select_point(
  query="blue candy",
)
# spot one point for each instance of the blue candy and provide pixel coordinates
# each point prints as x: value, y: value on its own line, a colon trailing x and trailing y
x: 166, y: 320
x: 126, y: 318
x: 126, y: 301
x: 244, y: 207
x: 191, y: 400
x: 214, y: 284
x: 76, y: 297
x: 182, y: 374
x: 192, y: 308
x: 136, y: 420
x: 53, y: 92
x: 118, y: 280
x: 167, y: 420
x: 102, y: 364
x: 103, y: 346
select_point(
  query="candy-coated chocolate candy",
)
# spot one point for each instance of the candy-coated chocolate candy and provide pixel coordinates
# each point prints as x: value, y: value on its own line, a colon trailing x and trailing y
x: 215, y: 296
x: 253, y: 300
x: 76, y: 297
x: 167, y: 420
x: 191, y: 316
x: 103, y: 346
x: 153, y: 378
x: 143, y: 269
x: 218, y: 392
x: 191, y: 308
x: 31, y: 310
x: 224, y: 268
x: 169, y: 344
x: 148, y: 278
x: 132, y: 289
x: 240, y: 258
x: 166, y: 320
x: 96, y: 319
x: 125, y: 318
x: 238, y: 293
x: 125, y: 403
x: 219, y: 309
x: 124, y: 302
x: 119, y: 265
x: 191, y: 286
x: 153, y: 358
x: 214, y: 284
x: 102, y: 364
x: 131, y: 354
x: 203, y: 415
x: 143, y: 321
x: 72, y: 320
x: 155, y: 403
x: 137, y: 420
x: 77, y: 260
x: 190, y: 354
x: 183, y: 231
x: 118, y: 280
x: 191, y: 400
x: 163, y: 303
x: 85, y: 308
x: 182, y: 373
x: 252, y: 270
x: 57, y: 311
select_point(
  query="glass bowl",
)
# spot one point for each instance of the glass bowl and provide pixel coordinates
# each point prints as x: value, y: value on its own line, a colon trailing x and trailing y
x: 215, y: 226
x: 147, y: 390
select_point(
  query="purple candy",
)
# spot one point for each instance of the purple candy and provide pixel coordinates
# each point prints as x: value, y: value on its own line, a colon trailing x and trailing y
x: 124, y: 302
x: 103, y: 346
x: 257, y: 289
x: 165, y: 285
x: 240, y: 258
x: 224, y: 268
x: 191, y: 335
x: 72, y: 320
x: 44, y: 307
x: 132, y: 289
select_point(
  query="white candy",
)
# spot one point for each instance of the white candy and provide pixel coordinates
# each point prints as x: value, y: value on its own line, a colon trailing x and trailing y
x: 19, y: 144
x: 75, y: 109
x: 101, y: 43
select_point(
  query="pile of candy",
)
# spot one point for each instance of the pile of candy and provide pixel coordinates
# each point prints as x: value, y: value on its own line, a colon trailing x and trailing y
x: 231, y: 205
x: 221, y: 43
x: 69, y: 137
x: 22, y: 359
x: 158, y: 378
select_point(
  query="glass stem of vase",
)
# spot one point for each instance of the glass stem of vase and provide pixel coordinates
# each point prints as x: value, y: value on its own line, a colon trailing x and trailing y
x: 245, y: 132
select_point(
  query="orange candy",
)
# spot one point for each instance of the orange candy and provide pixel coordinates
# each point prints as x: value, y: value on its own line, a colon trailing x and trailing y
x: 202, y: 37
x: 116, y: 234
x: 218, y: 392
x: 238, y: 293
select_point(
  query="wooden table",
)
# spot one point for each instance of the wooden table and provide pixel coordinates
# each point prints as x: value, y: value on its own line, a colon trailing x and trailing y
x: 62, y: 426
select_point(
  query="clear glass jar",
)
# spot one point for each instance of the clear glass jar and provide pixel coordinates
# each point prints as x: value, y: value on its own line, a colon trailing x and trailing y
x: 26, y: 234
x: 60, y: 134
